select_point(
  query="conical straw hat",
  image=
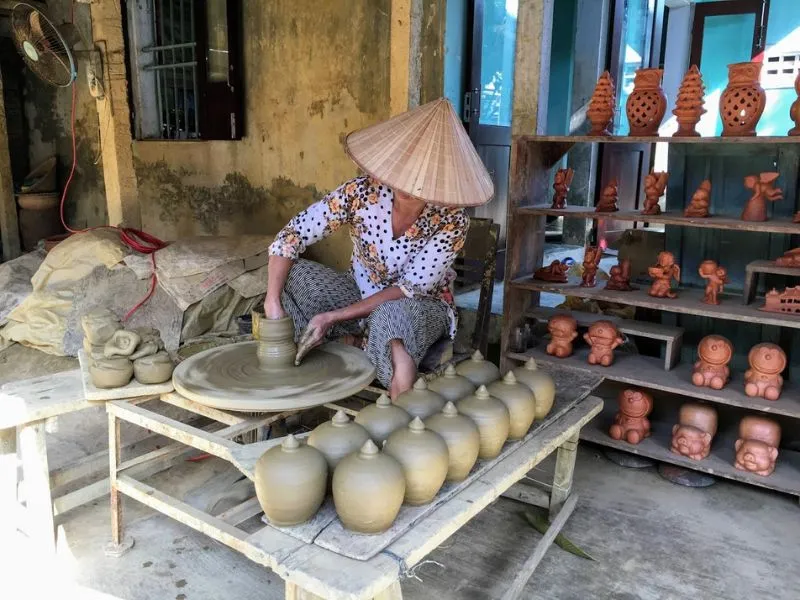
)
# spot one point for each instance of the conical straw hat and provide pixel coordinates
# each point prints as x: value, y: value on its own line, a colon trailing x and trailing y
x: 425, y: 153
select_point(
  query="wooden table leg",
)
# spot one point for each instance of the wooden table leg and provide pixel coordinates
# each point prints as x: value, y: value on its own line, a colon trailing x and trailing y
x: 9, y: 506
x: 36, y: 474
x: 119, y: 545
x: 565, y: 468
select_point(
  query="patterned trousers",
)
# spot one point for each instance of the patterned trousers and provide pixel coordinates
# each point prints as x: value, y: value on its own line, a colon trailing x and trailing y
x: 312, y: 288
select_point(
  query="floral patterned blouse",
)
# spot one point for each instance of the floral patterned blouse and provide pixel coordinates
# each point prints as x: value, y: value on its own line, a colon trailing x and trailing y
x: 419, y: 262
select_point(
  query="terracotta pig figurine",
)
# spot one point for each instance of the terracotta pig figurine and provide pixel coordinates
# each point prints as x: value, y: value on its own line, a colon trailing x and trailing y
x: 757, y: 446
x: 763, y: 378
x: 603, y: 337
x: 697, y: 425
x: 591, y: 261
x: 561, y: 183
x: 563, y: 330
x: 716, y: 277
x: 631, y: 423
x: 663, y: 273
x: 711, y: 369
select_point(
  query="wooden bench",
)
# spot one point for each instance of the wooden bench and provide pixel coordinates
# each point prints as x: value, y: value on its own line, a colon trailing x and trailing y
x: 752, y: 270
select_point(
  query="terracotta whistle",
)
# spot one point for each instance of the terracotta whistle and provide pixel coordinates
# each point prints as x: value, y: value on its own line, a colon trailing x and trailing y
x: 697, y: 425
x: 631, y: 423
x: 711, y: 369
x: 763, y: 378
x: 757, y: 446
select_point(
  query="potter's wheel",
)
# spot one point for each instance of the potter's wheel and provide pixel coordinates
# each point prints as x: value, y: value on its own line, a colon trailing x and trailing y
x: 231, y: 378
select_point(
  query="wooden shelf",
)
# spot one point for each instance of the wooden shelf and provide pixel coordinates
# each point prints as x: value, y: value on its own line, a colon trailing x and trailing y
x: 587, y: 212
x: 625, y: 139
x: 648, y: 372
x: 688, y: 302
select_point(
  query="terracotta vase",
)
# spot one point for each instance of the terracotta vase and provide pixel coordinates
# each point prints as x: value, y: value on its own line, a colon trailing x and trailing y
x: 743, y: 101
x: 492, y: 418
x: 647, y: 103
x: 757, y: 446
x: 107, y: 373
x: 290, y: 482
x: 696, y: 428
x: 337, y: 438
x: 382, y: 418
x: 763, y: 378
x: 519, y: 401
x: 276, y: 348
x: 419, y: 401
x: 451, y: 386
x: 122, y: 343
x: 154, y: 368
x: 368, y: 490
x: 425, y: 460
x: 541, y: 384
x: 478, y: 370
x: 462, y: 438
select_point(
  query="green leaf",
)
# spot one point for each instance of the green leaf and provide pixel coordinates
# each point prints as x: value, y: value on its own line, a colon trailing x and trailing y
x: 541, y: 524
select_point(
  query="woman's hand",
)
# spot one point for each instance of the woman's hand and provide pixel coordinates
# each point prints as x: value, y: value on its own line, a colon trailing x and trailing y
x: 314, y: 334
x: 273, y: 309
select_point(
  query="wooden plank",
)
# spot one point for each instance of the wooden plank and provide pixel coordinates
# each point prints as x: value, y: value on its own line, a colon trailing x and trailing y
x: 223, y: 416
x: 631, y: 139
x: 528, y: 494
x: 9, y: 227
x: 241, y: 512
x: 308, y: 531
x: 627, y: 326
x: 41, y: 398
x: 38, y: 501
x: 133, y: 389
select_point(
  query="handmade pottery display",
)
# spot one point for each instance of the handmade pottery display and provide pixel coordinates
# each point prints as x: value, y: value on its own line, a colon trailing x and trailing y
x: 701, y: 200
x: 555, y: 272
x: 420, y: 401
x: 153, y: 368
x: 647, y: 103
x: 608, y: 198
x: 425, y: 460
x: 519, y: 401
x: 697, y: 425
x: 122, y: 343
x: 787, y: 301
x: 631, y: 423
x: 463, y: 440
x: 689, y: 103
x: 711, y: 369
x: 602, y: 106
x: 290, y: 482
x: 563, y: 330
x: 541, y: 384
x: 763, y: 378
x: 663, y: 273
x: 603, y: 337
x: 757, y: 446
x: 763, y: 190
x: 276, y: 347
x: 451, y: 386
x: 109, y: 373
x: 790, y: 258
x: 99, y: 325
x: 743, y: 101
x: 794, y: 111
x: 619, y: 277
x: 716, y: 277
x: 654, y: 185
x: 591, y: 262
x: 382, y: 418
x: 368, y: 490
x: 561, y: 183
x: 492, y: 418
x: 337, y: 438
x: 478, y: 370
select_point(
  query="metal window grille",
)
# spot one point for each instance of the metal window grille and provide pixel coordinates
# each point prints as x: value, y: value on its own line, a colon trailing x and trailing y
x: 780, y: 69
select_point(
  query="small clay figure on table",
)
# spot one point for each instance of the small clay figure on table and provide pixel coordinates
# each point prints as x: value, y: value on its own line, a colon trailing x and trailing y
x: 711, y: 369
x: 591, y: 261
x: 701, y: 200
x: 603, y: 337
x: 608, y: 198
x: 790, y: 258
x: 697, y: 425
x: 563, y: 330
x: 757, y: 446
x: 555, y: 272
x: 716, y: 277
x: 619, y: 277
x: 763, y: 378
x: 631, y: 423
x: 763, y: 190
x: 654, y: 185
x: 787, y: 301
x: 663, y: 273
x: 561, y: 183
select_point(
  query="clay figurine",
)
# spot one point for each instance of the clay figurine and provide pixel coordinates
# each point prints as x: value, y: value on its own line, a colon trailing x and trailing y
x: 701, y: 200
x: 711, y: 369
x: 561, y: 183
x: 555, y: 272
x: 790, y: 258
x: 689, y: 103
x: 647, y: 103
x: 425, y: 460
x: 382, y: 418
x: 478, y: 370
x: 419, y: 401
x: 631, y: 423
x: 519, y: 401
x: 608, y: 198
x: 743, y: 101
x: 591, y: 262
x: 663, y: 273
x: 337, y: 438
x: 463, y: 440
x: 654, y: 185
x: 109, y: 373
x: 541, y: 384
x: 757, y: 446
x: 451, y: 386
x: 697, y: 425
x: 763, y: 190
x: 794, y: 111
x: 787, y: 301
x: 492, y: 418
x: 153, y: 368
x: 563, y: 330
x: 619, y: 277
x: 763, y: 378
x: 603, y: 337
x: 716, y: 277
x: 122, y: 343
x: 602, y: 106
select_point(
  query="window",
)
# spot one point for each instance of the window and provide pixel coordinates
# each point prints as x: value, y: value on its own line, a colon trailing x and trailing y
x: 185, y: 65
x: 780, y: 69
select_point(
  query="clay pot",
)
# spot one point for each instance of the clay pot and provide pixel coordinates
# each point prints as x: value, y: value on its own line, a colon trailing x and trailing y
x: 109, y: 373
x: 647, y: 103
x: 290, y: 482
x: 742, y: 103
x: 276, y: 347
x: 368, y: 490
x: 478, y: 370
x: 492, y: 418
x: 519, y: 401
x: 541, y: 384
x: 382, y: 418
x: 451, y: 386
x: 425, y: 460
x: 154, y: 368
x: 122, y: 343
x: 419, y: 401
x: 462, y: 438
x: 337, y: 438
x: 99, y: 325
x: 38, y: 217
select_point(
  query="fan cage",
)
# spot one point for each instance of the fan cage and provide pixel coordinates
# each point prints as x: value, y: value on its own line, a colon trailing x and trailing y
x: 42, y: 46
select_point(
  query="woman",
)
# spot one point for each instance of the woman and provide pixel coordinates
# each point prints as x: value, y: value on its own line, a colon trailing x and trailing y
x: 407, y: 224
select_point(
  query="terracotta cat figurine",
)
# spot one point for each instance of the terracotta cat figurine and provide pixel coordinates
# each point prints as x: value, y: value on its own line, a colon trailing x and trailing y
x: 563, y: 330
x: 763, y: 378
x: 603, y: 337
x: 631, y: 423
x: 711, y: 369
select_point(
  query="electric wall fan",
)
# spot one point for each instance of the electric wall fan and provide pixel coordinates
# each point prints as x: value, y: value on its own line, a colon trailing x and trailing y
x: 42, y: 46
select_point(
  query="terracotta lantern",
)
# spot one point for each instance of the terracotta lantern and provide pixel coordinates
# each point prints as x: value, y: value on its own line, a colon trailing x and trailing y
x: 711, y: 369
x: 631, y: 423
x: 689, y: 104
x: 794, y: 111
x: 647, y: 103
x: 561, y: 183
x: 757, y: 446
x: 697, y: 426
x: 602, y: 106
x: 563, y: 330
x: 743, y: 101
x: 603, y: 337
x: 763, y: 378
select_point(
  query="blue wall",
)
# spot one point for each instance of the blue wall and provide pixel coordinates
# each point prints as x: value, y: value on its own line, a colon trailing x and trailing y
x: 562, y: 48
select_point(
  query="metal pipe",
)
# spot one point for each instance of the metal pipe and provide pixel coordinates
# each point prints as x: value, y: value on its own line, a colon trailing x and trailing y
x: 194, y: 79
x: 190, y: 63
x: 169, y: 47
x: 174, y: 69
x: 183, y: 79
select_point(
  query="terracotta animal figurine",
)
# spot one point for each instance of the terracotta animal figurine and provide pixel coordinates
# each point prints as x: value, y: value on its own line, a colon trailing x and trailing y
x: 602, y: 106
x: 763, y: 190
x: 757, y: 446
x: 697, y: 425
x: 619, y: 277
x: 701, y: 200
x: 790, y: 258
x: 787, y: 301
x: 555, y: 272
x: 689, y: 104
x: 654, y: 185
x: 591, y: 262
x: 763, y: 378
x: 563, y: 330
x: 716, y: 277
x: 608, y: 198
x: 603, y: 337
x: 794, y: 111
x: 663, y: 273
x: 647, y: 103
x: 711, y: 369
x: 631, y: 423
x: 561, y: 183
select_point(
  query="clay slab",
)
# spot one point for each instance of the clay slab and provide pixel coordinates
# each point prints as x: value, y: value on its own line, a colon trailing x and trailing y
x: 133, y: 389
